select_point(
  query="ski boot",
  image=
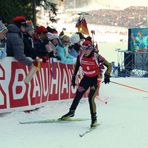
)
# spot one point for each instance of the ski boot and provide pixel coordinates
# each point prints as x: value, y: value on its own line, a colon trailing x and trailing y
x: 71, y: 113
x: 93, y: 120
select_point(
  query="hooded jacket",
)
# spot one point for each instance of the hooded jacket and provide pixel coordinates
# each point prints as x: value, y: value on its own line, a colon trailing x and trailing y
x: 15, y: 45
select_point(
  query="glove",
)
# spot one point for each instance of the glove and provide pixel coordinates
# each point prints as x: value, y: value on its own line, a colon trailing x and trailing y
x: 73, y: 81
x: 106, y: 78
x: 35, y: 63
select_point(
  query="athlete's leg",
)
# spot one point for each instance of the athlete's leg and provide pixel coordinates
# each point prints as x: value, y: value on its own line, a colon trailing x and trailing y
x: 92, y: 104
x: 82, y: 88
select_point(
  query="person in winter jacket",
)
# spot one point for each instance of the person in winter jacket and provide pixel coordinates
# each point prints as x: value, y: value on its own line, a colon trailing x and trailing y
x: 29, y: 49
x: 75, y: 46
x: 3, y: 31
x: 60, y: 45
x: 15, y: 44
x: 90, y: 62
x: 63, y: 51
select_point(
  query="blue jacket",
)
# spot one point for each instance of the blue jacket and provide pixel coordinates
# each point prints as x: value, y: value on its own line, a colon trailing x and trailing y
x: 61, y: 53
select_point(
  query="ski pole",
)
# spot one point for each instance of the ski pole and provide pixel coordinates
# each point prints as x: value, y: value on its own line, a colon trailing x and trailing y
x: 104, y: 101
x: 129, y: 87
x: 52, y: 72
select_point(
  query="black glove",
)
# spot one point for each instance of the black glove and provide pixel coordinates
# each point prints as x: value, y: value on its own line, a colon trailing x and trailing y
x: 106, y: 78
x: 73, y: 81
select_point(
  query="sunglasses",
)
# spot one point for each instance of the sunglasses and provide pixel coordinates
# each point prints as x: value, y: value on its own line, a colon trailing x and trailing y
x: 66, y: 41
x: 87, y: 47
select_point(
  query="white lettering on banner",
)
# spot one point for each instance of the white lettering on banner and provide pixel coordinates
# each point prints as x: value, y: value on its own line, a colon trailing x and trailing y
x: 45, y: 81
x: 36, y: 87
x: 2, y: 77
x: 65, y: 82
x: 55, y: 83
x: 2, y: 72
x: 18, y: 87
x: 1, y: 97
x: 3, y: 101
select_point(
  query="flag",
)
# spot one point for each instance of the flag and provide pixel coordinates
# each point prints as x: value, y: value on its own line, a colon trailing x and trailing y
x: 82, y: 25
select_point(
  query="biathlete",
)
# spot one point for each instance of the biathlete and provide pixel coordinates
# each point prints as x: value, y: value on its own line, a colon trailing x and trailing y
x: 90, y: 62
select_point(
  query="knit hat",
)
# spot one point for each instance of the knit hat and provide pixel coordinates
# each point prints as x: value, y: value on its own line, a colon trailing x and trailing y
x: 49, y: 35
x: 75, y: 38
x: 65, y: 39
x: 29, y: 26
x: 53, y: 36
x: 19, y: 21
x: 52, y: 30
x: 41, y: 29
x: 2, y: 27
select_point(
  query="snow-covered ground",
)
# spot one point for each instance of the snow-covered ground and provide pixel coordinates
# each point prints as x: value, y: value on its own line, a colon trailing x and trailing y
x: 123, y: 122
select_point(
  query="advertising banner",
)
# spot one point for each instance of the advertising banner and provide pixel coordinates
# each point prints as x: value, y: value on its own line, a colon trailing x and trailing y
x: 51, y: 82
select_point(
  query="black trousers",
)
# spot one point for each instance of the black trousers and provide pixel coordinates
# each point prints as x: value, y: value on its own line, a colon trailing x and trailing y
x: 85, y: 84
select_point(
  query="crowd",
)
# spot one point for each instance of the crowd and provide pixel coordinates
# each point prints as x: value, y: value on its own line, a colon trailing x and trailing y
x: 130, y: 17
x: 21, y: 40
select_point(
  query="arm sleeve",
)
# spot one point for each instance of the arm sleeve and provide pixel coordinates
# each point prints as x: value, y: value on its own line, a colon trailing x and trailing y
x: 18, y: 51
x: 77, y: 65
x: 106, y: 63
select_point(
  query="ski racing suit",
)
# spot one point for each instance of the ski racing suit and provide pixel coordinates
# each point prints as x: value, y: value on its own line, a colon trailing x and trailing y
x: 91, y: 73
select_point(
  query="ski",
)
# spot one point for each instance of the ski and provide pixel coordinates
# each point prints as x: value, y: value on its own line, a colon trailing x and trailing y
x: 54, y: 121
x: 88, y: 131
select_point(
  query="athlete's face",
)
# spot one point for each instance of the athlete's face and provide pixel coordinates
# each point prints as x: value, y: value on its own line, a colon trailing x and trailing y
x: 87, y: 52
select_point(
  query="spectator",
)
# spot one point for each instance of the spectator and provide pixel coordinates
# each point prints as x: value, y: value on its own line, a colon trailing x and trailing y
x: 40, y: 45
x: 54, y: 38
x: 65, y: 40
x: 3, y: 31
x: 55, y: 41
x: 15, y: 45
x: 28, y: 40
x: 45, y: 48
x: 62, y: 51
x: 75, y: 45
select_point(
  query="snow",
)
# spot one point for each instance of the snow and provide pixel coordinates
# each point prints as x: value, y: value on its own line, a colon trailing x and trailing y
x: 123, y: 121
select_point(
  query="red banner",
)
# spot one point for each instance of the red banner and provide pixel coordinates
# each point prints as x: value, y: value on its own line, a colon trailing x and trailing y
x: 51, y: 82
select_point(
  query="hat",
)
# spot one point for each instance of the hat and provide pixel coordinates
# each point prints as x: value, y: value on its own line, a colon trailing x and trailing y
x: 19, y: 21
x: 65, y: 39
x: 87, y: 45
x: 53, y: 36
x: 52, y: 30
x: 2, y: 27
x: 41, y: 29
x: 75, y: 38
x: 29, y: 26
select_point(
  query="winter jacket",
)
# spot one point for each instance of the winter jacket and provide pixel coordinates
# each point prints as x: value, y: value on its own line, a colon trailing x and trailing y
x: 29, y: 50
x: 61, y: 53
x: 15, y: 45
x: 3, y: 53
